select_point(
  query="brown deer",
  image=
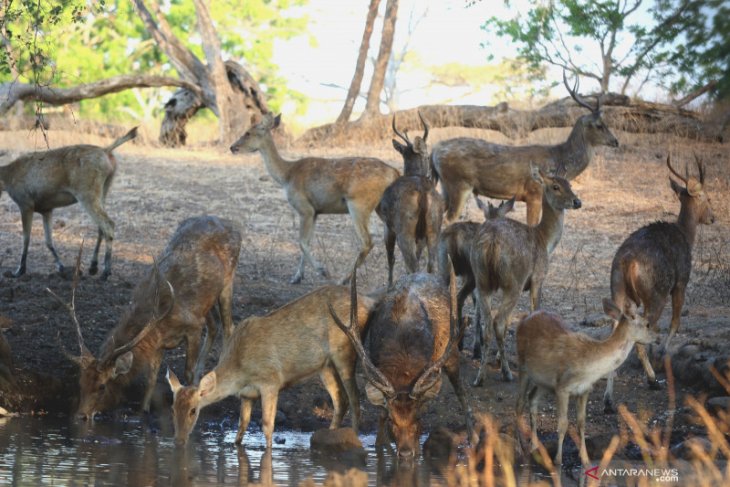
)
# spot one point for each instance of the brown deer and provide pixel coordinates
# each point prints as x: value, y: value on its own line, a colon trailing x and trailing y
x: 411, y: 208
x: 316, y: 186
x: 552, y: 358
x: 510, y: 256
x: 269, y: 353
x: 171, y: 304
x: 656, y: 261
x: 467, y: 165
x: 455, y: 244
x: 41, y: 181
x: 411, y: 332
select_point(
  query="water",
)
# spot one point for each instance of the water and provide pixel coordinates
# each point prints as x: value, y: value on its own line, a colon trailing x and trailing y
x: 56, y: 451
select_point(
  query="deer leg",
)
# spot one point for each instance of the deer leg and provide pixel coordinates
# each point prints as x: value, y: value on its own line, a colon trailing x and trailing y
x: 382, y: 437
x: 345, y: 368
x: 26, y: 218
x: 246, y: 406
x: 535, y: 295
x: 466, y: 289
x: 225, y: 307
x: 106, y: 227
x: 48, y: 232
x: 192, y: 353
x: 652, y: 311
x: 562, y: 399
x: 407, y: 246
x: 509, y: 300
x: 581, y: 420
x: 306, y: 230
x: 452, y: 372
x: 360, y: 217
x: 533, y: 201
x: 94, y: 267
x: 210, y: 335
x: 486, y: 312
x: 608, y: 407
x: 677, y: 303
x: 455, y: 202
x: 334, y: 388
x: 533, y: 398
x: 389, y: 237
x: 152, y: 370
x: 269, y: 398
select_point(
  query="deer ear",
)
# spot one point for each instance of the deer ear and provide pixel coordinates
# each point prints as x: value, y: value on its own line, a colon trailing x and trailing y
x: 173, y: 381
x: 535, y: 172
x: 277, y: 121
x: 207, y: 384
x: 399, y: 147
x: 374, y: 395
x: 507, y: 206
x: 610, y: 308
x: 432, y: 391
x: 694, y: 187
x: 123, y: 364
x: 676, y: 187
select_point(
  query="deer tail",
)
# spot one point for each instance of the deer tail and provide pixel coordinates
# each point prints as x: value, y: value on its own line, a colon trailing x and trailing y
x: 125, y: 138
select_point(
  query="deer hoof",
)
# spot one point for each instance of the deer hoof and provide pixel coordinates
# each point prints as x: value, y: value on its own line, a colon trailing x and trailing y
x: 296, y: 279
x: 654, y: 385
x: 507, y: 375
x: 18, y: 272
x: 105, y: 275
x: 323, y: 272
x: 608, y: 408
x: 94, y: 268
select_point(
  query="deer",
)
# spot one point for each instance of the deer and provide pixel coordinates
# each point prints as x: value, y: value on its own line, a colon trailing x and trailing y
x: 553, y: 358
x: 411, y: 209
x: 455, y: 244
x: 411, y: 332
x: 511, y: 256
x: 467, y: 165
x: 316, y: 186
x: 655, y: 261
x: 41, y: 181
x: 171, y: 304
x: 269, y: 353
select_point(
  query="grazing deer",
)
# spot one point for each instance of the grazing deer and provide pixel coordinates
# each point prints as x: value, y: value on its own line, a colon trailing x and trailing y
x: 197, y: 267
x: 656, y: 261
x: 511, y: 256
x: 455, y: 244
x: 552, y: 358
x: 467, y: 165
x: 411, y: 332
x: 41, y: 181
x: 269, y: 353
x: 315, y: 186
x: 411, y: 208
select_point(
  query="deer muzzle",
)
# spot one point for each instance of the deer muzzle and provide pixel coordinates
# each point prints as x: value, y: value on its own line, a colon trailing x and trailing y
x: 577, y: 203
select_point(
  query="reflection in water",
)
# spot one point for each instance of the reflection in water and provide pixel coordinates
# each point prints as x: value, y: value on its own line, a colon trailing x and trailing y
x: 53, y: 451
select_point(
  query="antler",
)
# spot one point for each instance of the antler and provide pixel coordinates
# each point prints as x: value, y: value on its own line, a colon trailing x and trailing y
x: 72, y: 310
x: 431, y: 374
x: 676, y: 174
x: 372, y: 373
x: 400, y: 134
x: 574, y: 95
x: 425, y: 125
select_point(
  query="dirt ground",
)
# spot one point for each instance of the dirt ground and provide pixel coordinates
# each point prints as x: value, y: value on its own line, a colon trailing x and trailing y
x: 155, y: 189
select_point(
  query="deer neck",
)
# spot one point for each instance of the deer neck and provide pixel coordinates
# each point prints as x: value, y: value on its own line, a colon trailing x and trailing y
x: 276, y: 165
x: 226, y: 385
x: 550, y: 228
x: 687, y: 221
x: 612, y: 352
x: 575, y: 153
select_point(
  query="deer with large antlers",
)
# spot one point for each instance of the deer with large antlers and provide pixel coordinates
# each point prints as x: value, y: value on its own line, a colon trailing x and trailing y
x: 42, y: 181
x: 455, y: 246
x: 172, y: 304
x: 413, y: 330
x: 316, y: 186
x: 466, y: 165
x: 510, y: 256
x: 269, y: 353
x: 655, y: 262
x: 411, y: 208
x: 552, y: 358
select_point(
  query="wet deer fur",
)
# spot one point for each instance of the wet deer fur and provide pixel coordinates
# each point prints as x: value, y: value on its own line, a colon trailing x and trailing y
x: 170, y: 305
x: 315, y: 186
x: 39, y: 182
x: 466, y: 165
x: 272, y: 352
x: 411, y: 208
x: 510, y: 256
x: 655, y: 262
x: 553, y: 358
x: 412, y: 334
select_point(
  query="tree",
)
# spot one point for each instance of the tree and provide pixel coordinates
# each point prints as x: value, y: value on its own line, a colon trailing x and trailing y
x: 372, y: 105
x: 555, y: 33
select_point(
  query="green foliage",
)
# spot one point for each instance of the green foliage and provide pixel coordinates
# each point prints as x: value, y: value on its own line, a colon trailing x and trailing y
x: 684, y: 45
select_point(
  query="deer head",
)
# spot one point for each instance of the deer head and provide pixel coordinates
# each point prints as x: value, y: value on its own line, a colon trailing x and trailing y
x: 415, y: 154
x: 252, y: 140
x: 594, y: 127
x: 492, y: 212
x: 557, y: 190
x: 692, y: 195
x: 186, y: 403
x: 638, y: 325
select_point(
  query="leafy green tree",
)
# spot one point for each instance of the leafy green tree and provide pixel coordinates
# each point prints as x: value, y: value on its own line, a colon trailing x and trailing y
x: 630, y: 48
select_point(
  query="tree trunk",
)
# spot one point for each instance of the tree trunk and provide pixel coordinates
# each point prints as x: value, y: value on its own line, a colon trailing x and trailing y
x: 372, y: 106
x: 620, y: 113
x: 695, y: 94
x: 362, y: 56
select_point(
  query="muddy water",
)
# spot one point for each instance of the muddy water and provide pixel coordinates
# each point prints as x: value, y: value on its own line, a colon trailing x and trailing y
x: 54, y: 451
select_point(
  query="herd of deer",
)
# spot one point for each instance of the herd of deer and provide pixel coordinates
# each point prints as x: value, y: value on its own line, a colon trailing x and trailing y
x: 413, y: 329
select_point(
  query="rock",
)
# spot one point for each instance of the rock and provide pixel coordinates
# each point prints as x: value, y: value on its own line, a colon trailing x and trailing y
x: 335, y: 441
x: 717, y: 404
x: 597, y: 445
x: 686, y: 449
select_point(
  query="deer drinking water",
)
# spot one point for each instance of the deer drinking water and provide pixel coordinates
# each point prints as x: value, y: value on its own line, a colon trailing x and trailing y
x: 171, y: 304
x: 413, y: 330
x: 269, y: 353
x: 467, y: 165
x: 411, y: 208
x: 656, y: 261
x: 316, y: 186
x: 510, y: 256
x: 42, y: 181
